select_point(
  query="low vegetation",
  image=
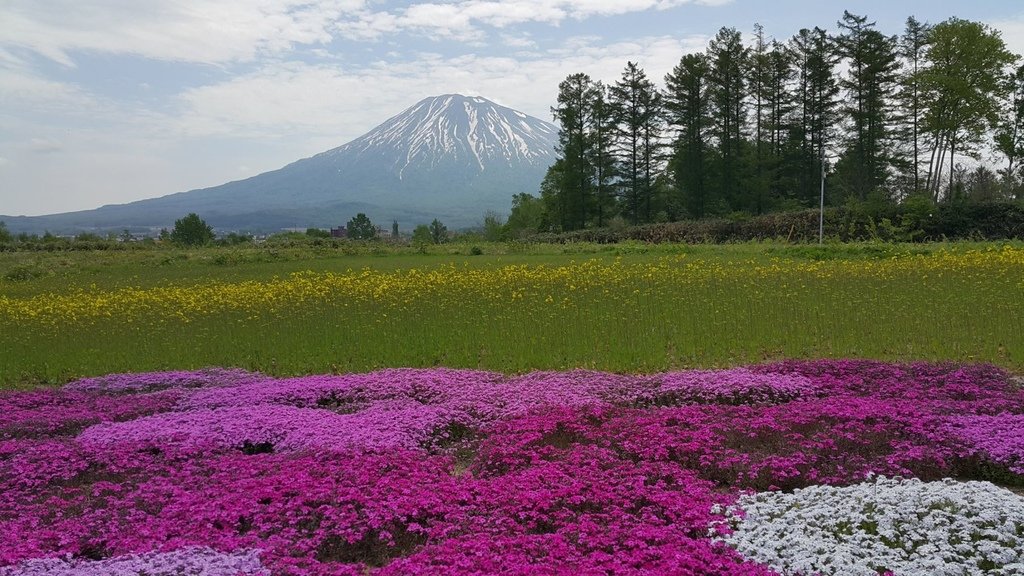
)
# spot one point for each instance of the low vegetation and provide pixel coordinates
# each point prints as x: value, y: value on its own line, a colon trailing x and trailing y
x: 513, y: 307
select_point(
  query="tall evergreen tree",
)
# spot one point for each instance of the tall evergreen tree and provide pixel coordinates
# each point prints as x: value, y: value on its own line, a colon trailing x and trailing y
x: 728, y: 60
x: 760, y: 86
x: 780, y: 109
x: 637, y: 111
x: 869, y: 84
x: 911, y: 49
x: 686, y: 112
x: 602, y: 154
x: 816, y: 117
x: 961, y: 84
x: 574, y: 113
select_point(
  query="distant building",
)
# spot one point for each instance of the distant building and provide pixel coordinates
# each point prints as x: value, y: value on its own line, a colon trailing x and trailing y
x: 339, y: 232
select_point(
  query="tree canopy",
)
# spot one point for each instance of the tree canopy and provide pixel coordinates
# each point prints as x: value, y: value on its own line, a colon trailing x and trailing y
x: 753, y: 125
x: 191, y: 231
x: 361, y: 228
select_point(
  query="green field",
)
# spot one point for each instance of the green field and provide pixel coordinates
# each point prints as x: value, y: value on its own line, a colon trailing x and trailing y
x: 513, y: 308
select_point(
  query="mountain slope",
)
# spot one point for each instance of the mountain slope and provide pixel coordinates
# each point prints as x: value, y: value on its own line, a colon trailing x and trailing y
x: 450, y: 157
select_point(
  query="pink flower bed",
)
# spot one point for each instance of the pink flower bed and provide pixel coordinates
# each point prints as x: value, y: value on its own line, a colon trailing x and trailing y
x: 465, y: 472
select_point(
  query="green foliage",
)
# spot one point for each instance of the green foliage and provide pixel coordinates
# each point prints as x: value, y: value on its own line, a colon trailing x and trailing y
x: 360, y: 228
x: 756, y: 127
x: 917, y: 219
x: 528, y: 216
x: 493, y: 230
x: 638, y: 110
x: 686, y: 107
x: 1009, y: 137
x: 576, y: 97
x: 727, y: 59
x: 962, y: 87
x: 438, y: 232
x: 191, y: 231
x: 421, y: 236
x: 872, y: 77
x: 26, y: 272
x: 234, y: 239
x: 317, y: 233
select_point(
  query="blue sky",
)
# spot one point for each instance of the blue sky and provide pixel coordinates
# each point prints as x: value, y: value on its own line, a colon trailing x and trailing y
x: 109, y: 101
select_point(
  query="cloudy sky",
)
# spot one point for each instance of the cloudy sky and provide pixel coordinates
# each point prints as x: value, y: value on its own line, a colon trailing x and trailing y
x: 109, y: 101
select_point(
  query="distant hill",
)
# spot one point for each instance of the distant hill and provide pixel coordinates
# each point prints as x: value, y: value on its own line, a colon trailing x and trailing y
x: 450, y: 157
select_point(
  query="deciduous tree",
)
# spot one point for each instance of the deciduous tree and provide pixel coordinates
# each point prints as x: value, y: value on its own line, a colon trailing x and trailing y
x: 191, y: 231
x: 361, y: 228
x: 962, y: 85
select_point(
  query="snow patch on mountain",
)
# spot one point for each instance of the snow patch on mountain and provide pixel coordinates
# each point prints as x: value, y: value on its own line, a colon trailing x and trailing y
x: 473, y: 131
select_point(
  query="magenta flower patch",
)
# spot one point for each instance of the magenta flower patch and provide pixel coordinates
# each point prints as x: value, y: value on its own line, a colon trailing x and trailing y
x: 466, y: 472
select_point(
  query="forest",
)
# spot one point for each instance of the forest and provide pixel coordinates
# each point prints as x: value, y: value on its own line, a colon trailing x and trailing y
x: 754, y: 125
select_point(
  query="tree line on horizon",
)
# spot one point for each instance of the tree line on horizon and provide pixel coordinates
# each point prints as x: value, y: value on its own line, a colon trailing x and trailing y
x: 749, y: 127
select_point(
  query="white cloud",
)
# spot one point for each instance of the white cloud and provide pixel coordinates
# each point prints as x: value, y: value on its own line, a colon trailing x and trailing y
x: 44, y: 146
x: 460, y: 20
x: 522, y: 42
x: 205, y: 31
x: 1013, y: 33
x: 331, y: 101
x: 226, y: 31
x: 23, y: 90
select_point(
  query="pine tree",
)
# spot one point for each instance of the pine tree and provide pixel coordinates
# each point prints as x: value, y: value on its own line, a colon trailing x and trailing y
x: 869, y: 84
x: 911, y: 48
x: 780, y: 109
x: 574, y: 113
x: 728, y: 56
x: 686, y: 112
x: 602, y: 154
x: 760, y: 87
x: 816, y: 116
x: 637, y: 106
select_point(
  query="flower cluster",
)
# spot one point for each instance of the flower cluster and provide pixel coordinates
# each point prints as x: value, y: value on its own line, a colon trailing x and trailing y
x: 901, y: 526
x: 196, y: 561
x: 415, y: 471
x: 998, y: 438
x: 151, y: 381
x: 394, y: 288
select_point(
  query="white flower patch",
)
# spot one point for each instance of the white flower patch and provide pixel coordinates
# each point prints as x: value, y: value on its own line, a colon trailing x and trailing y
x: 193, y: 561
x: 905, y: 526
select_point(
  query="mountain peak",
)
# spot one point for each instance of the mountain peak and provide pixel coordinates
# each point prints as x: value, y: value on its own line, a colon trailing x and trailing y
x: 471, y: 131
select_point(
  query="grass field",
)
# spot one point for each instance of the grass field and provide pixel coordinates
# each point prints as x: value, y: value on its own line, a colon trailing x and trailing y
x: 514, y: 308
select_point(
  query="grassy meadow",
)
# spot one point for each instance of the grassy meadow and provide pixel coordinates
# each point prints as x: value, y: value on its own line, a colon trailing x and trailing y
x: 513, y: 308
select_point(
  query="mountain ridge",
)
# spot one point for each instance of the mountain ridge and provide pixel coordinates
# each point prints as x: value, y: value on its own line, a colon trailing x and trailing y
x: 451, y: 157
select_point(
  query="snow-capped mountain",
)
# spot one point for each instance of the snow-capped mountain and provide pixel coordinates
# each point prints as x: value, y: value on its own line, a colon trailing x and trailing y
x: 453, y: 129
x: 449, y: 157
